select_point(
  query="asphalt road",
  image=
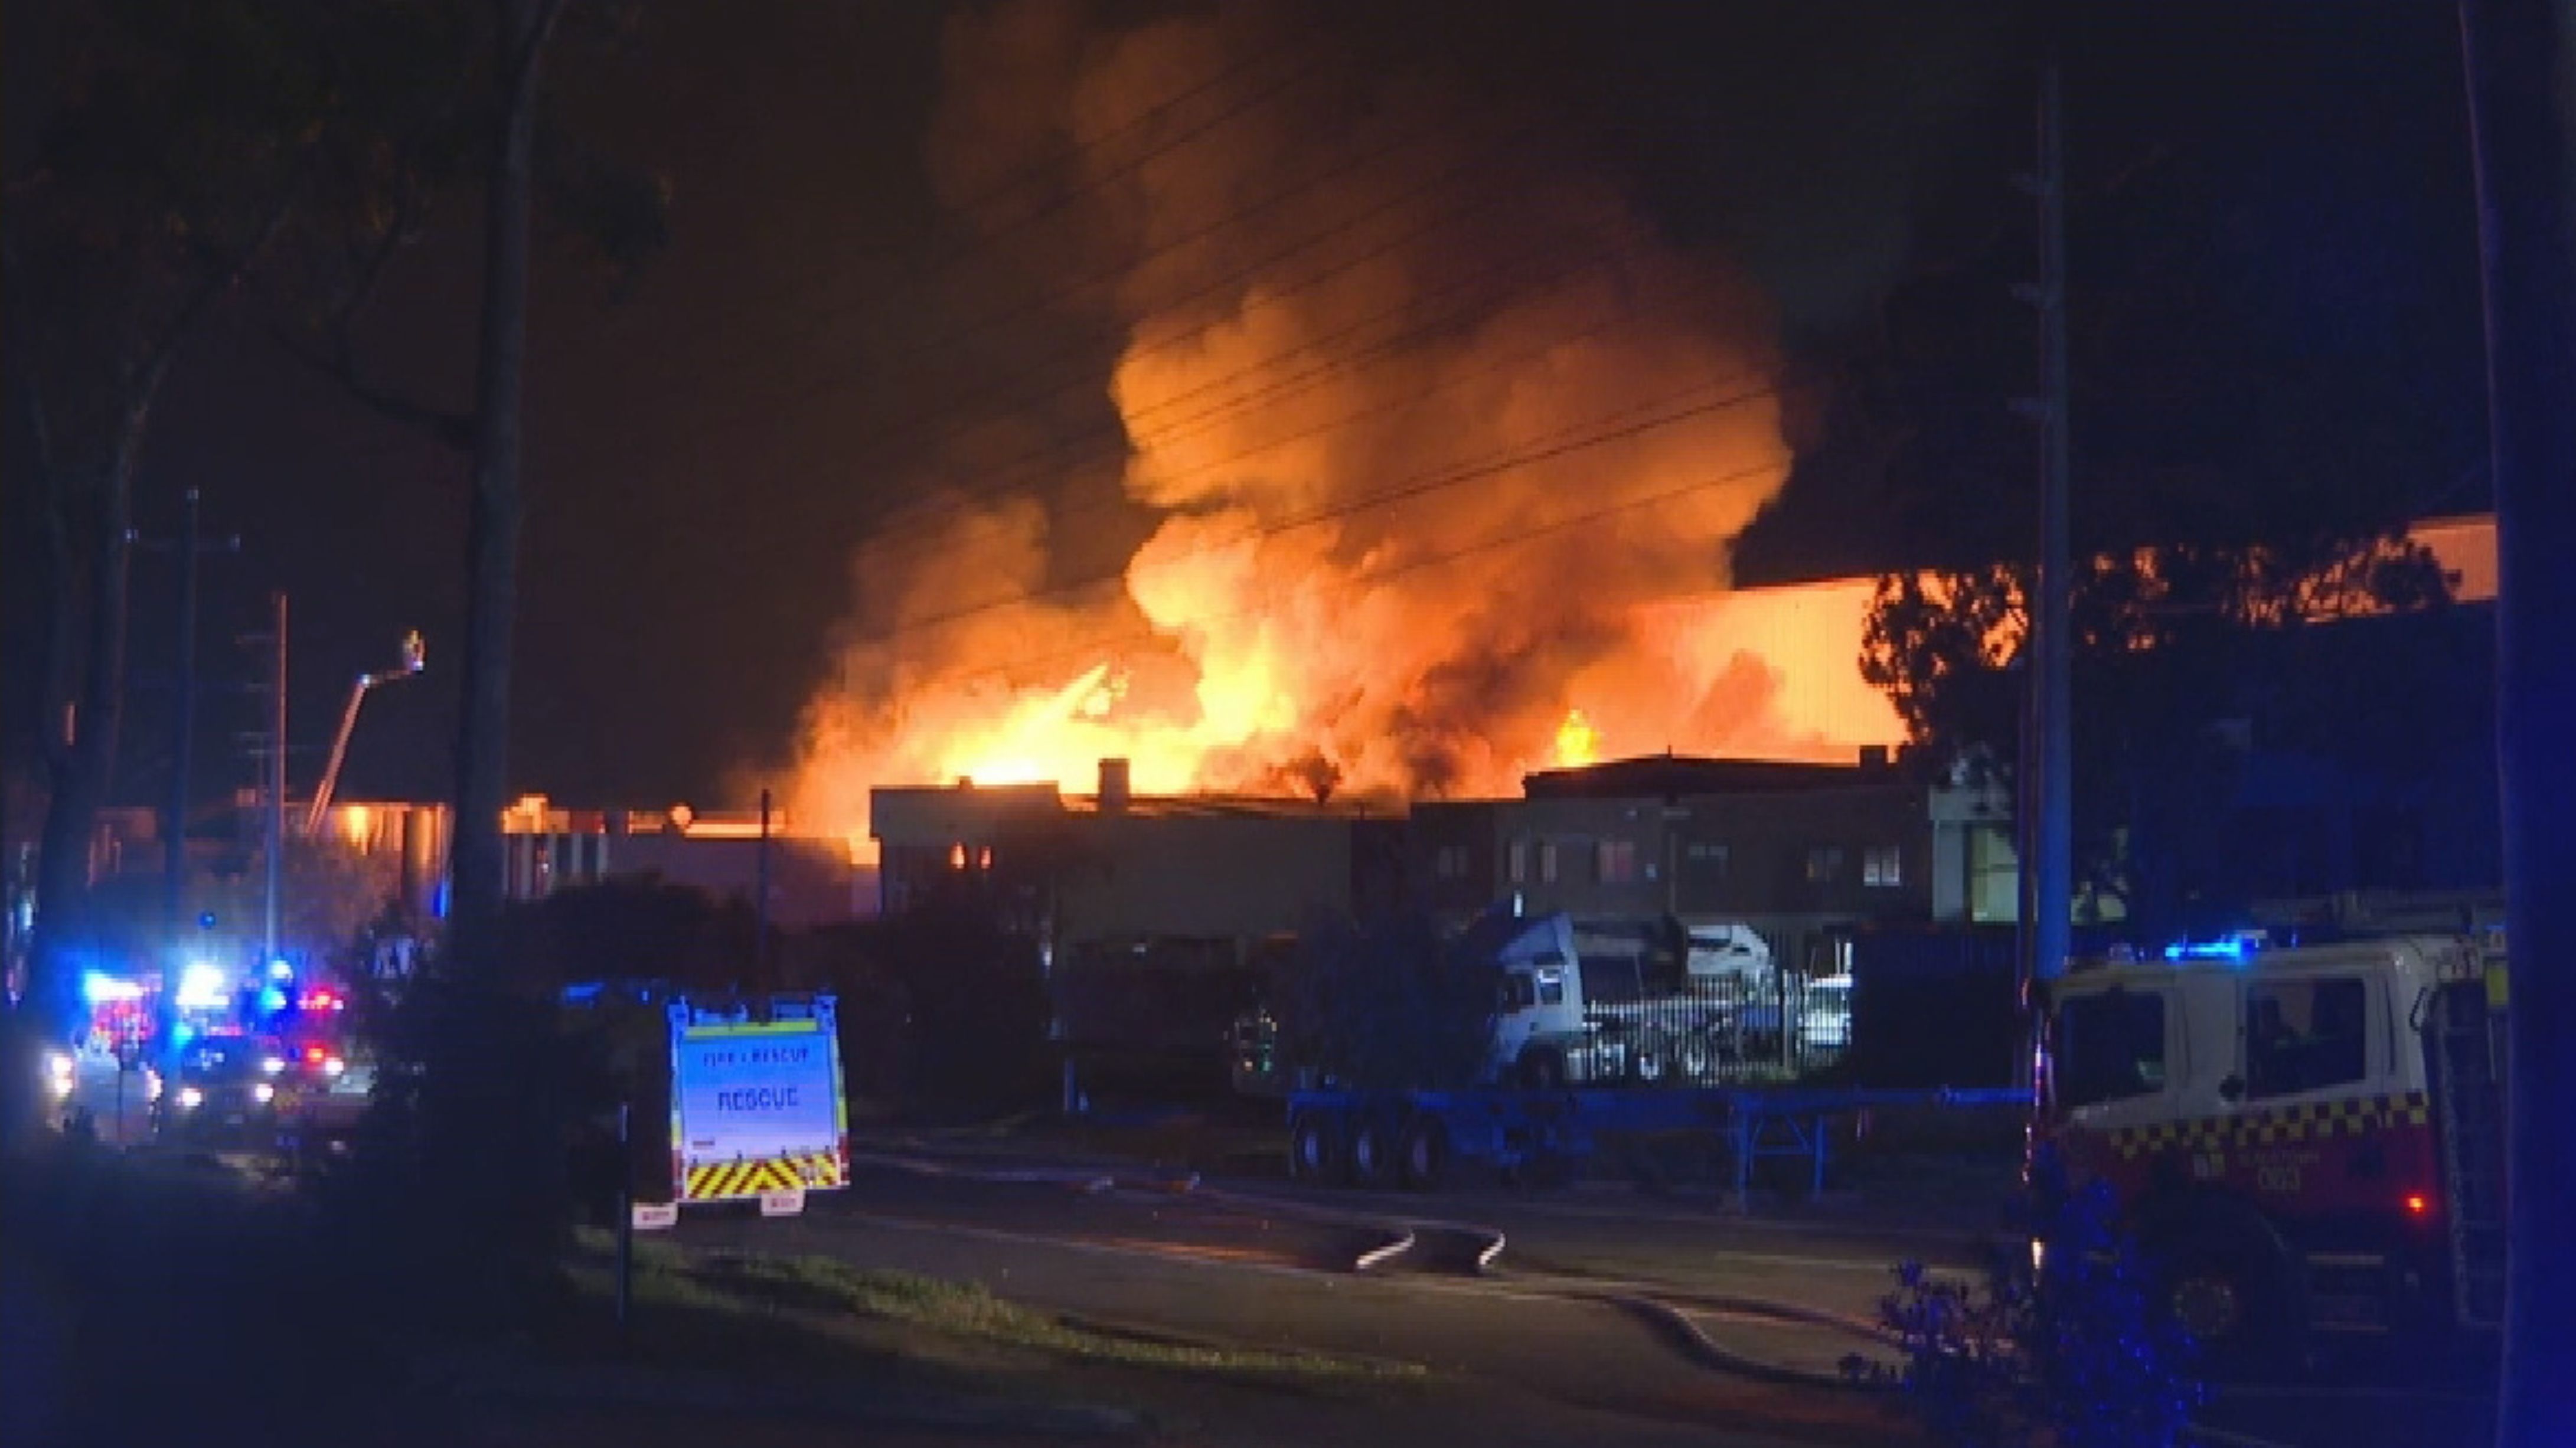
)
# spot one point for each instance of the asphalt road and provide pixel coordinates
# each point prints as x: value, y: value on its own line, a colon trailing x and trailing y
x: 1519, y: 1355
x: 1542, y: 1339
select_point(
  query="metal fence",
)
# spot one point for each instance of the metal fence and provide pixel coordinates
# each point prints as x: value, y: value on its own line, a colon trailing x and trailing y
x: 1724, y: 1031
x: 1715, y: 1031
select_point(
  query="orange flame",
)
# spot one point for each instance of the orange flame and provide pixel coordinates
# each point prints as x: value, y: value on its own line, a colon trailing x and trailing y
x: 1577, y: 742
x: 1405, y: 489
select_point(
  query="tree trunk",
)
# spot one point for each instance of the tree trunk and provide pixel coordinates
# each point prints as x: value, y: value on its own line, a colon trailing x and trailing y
x: 84, y: 762
x: 2525, y: 142
x: 492, y: 523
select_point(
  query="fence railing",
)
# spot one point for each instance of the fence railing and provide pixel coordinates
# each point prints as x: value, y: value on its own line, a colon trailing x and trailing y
x: 1718, y: 1031
x: 1724, y: 1031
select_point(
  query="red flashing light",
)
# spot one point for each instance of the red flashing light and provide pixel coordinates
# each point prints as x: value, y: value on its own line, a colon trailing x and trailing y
x: 2418, y: 1204
x: 313, y: 1054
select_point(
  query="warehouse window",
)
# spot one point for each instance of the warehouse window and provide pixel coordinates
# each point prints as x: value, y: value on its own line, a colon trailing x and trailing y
x: 1547, y: 862
x: 1449, y: 862
x: 1517, y: 862
x: 1824, y: 864
x: 1617, y: 861
x: 1882, y: 865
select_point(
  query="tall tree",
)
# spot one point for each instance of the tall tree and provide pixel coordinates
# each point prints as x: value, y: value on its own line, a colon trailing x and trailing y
x: 492, y: 520
x: 157, y: 153
x: 2253, y: 430
x: 2181, y: 658
x: 479, y: 127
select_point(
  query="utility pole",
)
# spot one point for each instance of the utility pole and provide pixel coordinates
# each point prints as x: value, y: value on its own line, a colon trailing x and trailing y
x: 183, y: 711
x: 2050, y: 866
x: 2515, y: 54
x: 276, y: 778
x: 760, y: 911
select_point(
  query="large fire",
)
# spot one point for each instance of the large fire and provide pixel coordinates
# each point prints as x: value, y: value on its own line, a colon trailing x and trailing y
x: 1431, y: 456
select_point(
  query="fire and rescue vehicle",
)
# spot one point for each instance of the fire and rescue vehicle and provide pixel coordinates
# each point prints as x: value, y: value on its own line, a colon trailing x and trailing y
x: 2306, y: 1140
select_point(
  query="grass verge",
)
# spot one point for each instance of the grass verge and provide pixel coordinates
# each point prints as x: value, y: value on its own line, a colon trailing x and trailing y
x: 782, y: 1310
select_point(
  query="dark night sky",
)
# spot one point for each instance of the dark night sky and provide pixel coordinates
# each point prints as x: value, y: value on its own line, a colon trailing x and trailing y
x: 710, y: 443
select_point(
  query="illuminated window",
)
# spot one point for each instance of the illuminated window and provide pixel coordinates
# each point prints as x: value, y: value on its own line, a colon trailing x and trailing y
x: 1616, y: 861
x: 1882, y: 865
x: 984, y: 858
x: 957, y: 857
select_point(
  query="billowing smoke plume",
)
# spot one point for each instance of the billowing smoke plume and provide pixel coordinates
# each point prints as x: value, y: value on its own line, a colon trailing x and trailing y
x: 1419, y: 428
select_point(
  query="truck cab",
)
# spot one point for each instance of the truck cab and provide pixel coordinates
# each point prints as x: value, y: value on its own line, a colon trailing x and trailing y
x: 1539, y: 1031
x: 2306, y: 1140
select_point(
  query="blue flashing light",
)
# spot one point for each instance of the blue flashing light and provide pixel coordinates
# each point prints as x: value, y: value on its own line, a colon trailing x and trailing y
x: 2234, y: 948
x: 271, y: 1001
x: 279, y: 970
x: 99, y: 988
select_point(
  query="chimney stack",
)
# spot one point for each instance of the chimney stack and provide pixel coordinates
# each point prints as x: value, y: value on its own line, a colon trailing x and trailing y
x: 1873, y: 758
x: 1115, y: 788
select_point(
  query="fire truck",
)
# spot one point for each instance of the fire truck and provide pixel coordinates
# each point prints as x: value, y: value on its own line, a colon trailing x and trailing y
x: 2306, y: 1140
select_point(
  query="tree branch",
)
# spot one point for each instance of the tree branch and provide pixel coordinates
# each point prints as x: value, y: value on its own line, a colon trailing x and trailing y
x: 451, y: 429
x: 218, y: 283
x: 340, y: 365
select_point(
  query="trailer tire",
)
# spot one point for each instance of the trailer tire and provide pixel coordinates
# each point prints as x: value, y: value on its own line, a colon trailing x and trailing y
x: 1426, y: 1154
x: 1373, y: 1154
x: 1315, y: 1149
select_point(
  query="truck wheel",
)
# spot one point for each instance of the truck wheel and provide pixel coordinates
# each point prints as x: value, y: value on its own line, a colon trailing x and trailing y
x: 1426, y: 1154
x: 2232, y: 1294
x: 1373, y: 1154
x: 1541, y: 1069
x: 1315, y: 1149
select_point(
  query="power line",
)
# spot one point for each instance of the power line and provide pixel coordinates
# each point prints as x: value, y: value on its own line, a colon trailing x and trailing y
x: 1080, y: 348
x: 1417, y: 486
x: 1026, y: 173
x: 1151, y: 634
x: 1406, y: 401
x: 1023, y: 468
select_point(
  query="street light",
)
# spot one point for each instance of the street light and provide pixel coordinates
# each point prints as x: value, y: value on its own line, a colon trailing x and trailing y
x: 414, y: 659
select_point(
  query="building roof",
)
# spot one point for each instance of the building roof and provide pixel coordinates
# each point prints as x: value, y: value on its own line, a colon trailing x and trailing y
x: 1675, y: 776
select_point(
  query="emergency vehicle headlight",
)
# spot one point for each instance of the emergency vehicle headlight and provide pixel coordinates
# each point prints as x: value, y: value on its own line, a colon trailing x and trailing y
x: 190, y: 1098
x: 263, y: 1093
x: 271, y: 1065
